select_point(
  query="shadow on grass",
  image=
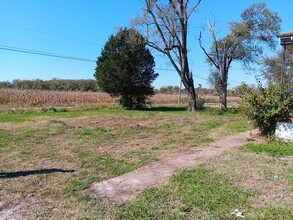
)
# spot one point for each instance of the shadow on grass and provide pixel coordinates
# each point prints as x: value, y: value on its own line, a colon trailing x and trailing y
x: 165, y: 109
x: 32, y: 172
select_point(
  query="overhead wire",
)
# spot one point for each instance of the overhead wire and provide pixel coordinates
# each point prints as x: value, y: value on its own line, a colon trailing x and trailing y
x: 42, y: 53
x: 46, y: 33
x: 48, y: 54
x: 197, y: 76
x: 76, y: 12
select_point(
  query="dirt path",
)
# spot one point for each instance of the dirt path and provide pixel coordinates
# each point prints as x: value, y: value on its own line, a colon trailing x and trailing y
x: 126, y: 186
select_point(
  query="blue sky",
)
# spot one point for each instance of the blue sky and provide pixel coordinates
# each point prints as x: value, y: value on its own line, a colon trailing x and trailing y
x: 80, y: 28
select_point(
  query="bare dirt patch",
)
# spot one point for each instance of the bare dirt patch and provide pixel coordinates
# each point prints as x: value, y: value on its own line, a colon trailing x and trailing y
x: 128, y: 185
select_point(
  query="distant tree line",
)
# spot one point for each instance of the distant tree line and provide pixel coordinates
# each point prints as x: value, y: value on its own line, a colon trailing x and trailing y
x: 199, y: 90
x: 90, y: 85
x: 87, y: 85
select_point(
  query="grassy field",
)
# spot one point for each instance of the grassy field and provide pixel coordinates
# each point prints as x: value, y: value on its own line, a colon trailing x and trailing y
x: 49, y: 158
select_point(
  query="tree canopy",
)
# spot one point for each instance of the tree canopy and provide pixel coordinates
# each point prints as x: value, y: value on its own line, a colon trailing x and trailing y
x: 164, y: 24
x: 278, y: 68
x: 245, y: 42
x: 126, y: 69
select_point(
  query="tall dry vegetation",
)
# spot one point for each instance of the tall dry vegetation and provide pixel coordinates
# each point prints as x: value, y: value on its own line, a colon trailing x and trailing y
x: 38, y: 98
x: 13, y: 97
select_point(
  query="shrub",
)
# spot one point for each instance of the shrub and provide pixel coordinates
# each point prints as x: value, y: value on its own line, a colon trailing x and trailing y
x: 200, y: 103
x: 265, y: 106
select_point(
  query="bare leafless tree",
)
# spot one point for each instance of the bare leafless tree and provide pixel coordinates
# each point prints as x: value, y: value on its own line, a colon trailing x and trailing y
x: 165, y: 26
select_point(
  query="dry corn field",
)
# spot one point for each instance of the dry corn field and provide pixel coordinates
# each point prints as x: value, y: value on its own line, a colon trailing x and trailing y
x: 37, y: 98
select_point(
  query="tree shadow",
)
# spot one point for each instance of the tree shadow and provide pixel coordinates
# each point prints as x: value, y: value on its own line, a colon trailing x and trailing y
x: 16, y: 174
x: 165, y: 109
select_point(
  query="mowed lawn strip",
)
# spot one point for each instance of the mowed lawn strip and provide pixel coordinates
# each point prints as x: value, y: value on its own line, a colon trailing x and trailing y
x: 62, y: 153
x: 260, y: 185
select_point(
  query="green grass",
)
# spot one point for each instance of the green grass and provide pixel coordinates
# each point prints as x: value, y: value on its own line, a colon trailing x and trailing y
x: 3, y: 137
x: 100, y: 144
x: 215, y: 111
x: 275, y: 149
x: 76, y: 185
x: 27, y: 116
x: 275, y: 213
x: 208, y: 125
x: 192, y: 194
x: 83, y: 154
x: 290, y: 176
x: 239, y: 126
x: 105, y: 134
x: 103, y: 165
x: 16, y: 118
x: 198, y: 194
x: 208, y: 191
x: 153, y: 204
x: 214, y: 124
x: 114, y: 166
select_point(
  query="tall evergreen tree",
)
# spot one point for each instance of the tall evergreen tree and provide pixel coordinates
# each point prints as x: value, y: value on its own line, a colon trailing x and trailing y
x: 126, y: 69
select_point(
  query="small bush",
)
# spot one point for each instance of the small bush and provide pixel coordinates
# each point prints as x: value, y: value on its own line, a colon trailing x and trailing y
x: 265, y: 106
x: 200, y: 103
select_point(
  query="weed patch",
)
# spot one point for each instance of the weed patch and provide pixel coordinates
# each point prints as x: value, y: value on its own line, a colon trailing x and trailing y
x: 275, y: 213
x: 238, y: 126
x: 208, y: 191
x: 3, y: 136
x: 105, y: 134
x: 77, y: 185
x: 114, y: 166
x: 16, y: 118
x: 153, y: 204
x: 274, y: 149
x: 192, y: 194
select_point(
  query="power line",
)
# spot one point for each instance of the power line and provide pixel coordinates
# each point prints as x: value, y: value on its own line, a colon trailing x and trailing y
x: 76, y: 12
x: 165, y: 69
x: 46, y: 33
x: 175, y: 71
x: 197, y: 76
x: 42, y: 53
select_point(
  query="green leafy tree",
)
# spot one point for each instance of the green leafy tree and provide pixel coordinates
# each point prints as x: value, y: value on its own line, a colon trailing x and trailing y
x: 245, y: 42
x: 126, y: 69
x: 278, y: 68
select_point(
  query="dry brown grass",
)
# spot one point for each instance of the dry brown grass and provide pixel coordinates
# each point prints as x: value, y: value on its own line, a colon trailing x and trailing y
x: 38, y: 98
x: 97, y: 145
x: 255, y: 172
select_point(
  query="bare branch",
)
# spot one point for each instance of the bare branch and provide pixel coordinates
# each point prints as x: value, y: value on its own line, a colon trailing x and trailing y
x: 166, y: 24
x: 212, y: 30
x: 206, y: 53
x: 193, y: 8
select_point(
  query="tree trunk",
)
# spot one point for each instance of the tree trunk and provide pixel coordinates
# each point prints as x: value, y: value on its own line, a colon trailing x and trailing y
x: 187, y: 81
x: 223, y: 88
x: 223, y: 99
x: 191, y: 98
x: 180, y: 93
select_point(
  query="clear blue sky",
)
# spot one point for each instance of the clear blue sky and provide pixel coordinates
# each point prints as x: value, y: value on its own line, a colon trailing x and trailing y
x: 80, y: 28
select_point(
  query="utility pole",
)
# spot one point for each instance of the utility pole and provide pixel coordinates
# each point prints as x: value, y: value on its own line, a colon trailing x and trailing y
x: 180, y: 92
x: 286, y: 41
